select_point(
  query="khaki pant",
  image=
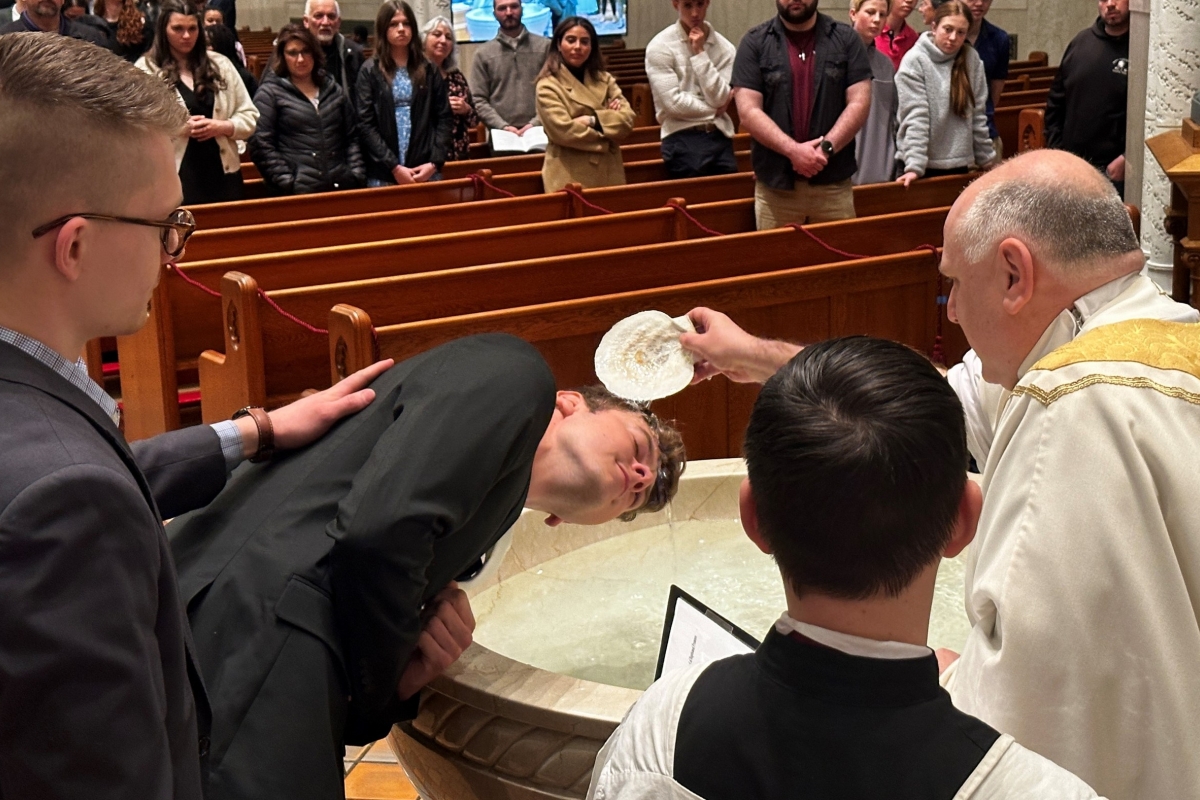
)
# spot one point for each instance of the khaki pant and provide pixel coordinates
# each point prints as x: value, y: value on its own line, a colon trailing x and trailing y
x: 774, y: 208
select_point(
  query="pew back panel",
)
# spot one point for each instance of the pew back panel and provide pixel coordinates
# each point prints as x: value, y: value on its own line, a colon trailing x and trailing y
x: 289, y: 352
x: 891, y: 296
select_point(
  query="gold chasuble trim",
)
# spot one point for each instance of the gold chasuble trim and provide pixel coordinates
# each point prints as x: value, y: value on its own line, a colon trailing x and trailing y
x: 1150, y: 342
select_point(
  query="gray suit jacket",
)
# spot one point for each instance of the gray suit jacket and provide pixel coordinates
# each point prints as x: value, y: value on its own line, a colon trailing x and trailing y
x: 304, y: 581
x: 99, y: 693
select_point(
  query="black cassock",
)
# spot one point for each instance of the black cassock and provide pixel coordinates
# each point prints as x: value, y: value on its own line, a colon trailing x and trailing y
x: 305, y: 578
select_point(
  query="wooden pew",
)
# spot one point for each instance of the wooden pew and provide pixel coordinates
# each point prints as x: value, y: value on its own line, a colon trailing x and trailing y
x: 506, y: 165
x: 269, y: 360
x: 1031, y: 123
x: 891, y: 296
x: 357, y: 201
x: 1007, y: 125
x: 472, y: 215
x: 184, y: 321
x: 365, y: 201
x: 456, y: 217
x: 1029, y: 98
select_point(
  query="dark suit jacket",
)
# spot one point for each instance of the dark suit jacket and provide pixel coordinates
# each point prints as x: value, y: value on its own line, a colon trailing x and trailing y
x: 99, y: 694
x: 305, y: 579
x: 76, y: 30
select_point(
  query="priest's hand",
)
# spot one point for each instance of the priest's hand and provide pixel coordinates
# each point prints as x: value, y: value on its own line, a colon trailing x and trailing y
x: 307, y: 419
x: 443, y: 639
x: 724, y: 348
x: 945, y: 658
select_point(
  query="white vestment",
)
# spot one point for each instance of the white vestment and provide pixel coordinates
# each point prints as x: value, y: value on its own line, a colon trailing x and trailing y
x: 1083, y: 583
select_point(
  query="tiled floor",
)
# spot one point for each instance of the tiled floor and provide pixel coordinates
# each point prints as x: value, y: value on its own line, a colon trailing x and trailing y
x: 373, y: 774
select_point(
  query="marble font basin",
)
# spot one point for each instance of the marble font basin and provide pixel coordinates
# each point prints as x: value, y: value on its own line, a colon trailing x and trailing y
x: 569, y: 621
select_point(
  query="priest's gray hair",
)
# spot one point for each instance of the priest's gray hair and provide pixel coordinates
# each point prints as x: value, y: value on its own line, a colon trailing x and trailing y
x: 451, y: 62
x: 1067, y: 225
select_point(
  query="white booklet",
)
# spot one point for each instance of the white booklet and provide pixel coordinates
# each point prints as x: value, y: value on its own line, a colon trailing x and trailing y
x: 533, y: 141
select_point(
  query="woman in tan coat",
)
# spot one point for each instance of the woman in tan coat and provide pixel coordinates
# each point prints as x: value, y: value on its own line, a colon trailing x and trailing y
x: 583, y: 111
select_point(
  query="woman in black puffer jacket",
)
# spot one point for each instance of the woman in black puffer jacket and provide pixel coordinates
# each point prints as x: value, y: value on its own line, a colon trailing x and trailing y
x: 305, y: 141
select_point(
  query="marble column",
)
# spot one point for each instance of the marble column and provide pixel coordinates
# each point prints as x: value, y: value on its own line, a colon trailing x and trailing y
x: 1172, y: 77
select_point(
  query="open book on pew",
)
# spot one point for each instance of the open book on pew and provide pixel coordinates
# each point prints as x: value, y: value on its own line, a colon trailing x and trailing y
x: 532, y: 141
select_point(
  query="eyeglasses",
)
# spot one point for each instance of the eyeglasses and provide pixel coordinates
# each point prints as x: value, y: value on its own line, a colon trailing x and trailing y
x: 176, y: 228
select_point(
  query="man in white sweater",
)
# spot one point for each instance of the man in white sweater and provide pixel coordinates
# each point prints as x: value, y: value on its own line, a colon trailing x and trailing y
x: 689, y: 65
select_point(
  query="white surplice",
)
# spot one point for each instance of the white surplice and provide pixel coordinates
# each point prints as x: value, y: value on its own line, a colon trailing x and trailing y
x: 1083, y: 583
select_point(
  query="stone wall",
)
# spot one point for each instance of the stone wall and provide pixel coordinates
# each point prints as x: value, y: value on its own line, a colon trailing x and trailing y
x: 1172, y: 77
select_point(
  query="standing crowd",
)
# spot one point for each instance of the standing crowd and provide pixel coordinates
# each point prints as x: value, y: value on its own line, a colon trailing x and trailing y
x: 828, y: 105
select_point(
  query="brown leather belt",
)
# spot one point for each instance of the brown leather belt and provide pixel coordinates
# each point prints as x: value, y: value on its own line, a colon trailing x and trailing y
x: 707, y: 127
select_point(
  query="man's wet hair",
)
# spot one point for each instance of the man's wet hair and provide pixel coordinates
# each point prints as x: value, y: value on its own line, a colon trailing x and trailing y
x: 672, y: 458
x: 857, y: 456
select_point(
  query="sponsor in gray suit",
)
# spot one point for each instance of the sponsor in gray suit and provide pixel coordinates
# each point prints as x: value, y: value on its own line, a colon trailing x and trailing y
x: 100, y: 695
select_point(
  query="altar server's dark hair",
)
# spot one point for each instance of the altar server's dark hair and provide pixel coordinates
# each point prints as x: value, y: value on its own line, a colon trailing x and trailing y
x: 857, y: 456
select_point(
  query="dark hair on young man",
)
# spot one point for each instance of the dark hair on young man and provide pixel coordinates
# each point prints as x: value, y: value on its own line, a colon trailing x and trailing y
x: 554, y: 60
x: 294, y: 32
x: 857, y: 456
x: 417, y: 65
x: 672, y: 458
x: 205, y: 74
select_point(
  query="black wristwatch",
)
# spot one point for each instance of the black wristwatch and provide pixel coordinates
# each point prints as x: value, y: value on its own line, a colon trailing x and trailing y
x: 827, y: 147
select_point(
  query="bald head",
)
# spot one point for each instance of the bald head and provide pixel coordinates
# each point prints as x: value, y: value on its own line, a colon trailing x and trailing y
x: 1067, y: 214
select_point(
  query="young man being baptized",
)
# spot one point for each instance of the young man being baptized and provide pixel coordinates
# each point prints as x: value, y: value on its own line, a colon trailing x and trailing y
x: 306, y: 579
x: 857, y: 454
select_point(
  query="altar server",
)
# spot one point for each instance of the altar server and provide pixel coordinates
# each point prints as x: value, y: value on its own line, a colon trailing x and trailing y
x: 1083, y: 585
x: 319, y: 586
x: 842, y: 697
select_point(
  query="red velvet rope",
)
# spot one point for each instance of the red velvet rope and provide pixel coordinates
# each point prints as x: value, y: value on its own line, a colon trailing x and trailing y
x: 694, y: 221
x: 573, y: 193
x: 174, y: 268
x: 478, y: 180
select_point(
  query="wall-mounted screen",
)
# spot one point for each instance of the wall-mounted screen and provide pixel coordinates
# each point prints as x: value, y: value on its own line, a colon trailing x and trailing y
x: 474, y: 21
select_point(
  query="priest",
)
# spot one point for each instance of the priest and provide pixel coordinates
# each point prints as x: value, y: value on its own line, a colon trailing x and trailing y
x: 319, y: 585
x: 1083, y: 583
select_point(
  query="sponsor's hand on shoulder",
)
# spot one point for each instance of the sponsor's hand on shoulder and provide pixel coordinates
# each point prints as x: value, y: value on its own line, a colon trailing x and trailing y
x: 308, y: 419
x: 445, y: 635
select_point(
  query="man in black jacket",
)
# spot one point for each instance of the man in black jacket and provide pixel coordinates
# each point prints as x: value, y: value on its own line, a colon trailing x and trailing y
x: 305, y: 581
x: 343, y: 57
x: 46, y: 16
x: 100, y: 695
x: 803, y: 90
x: 1085, y: 110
